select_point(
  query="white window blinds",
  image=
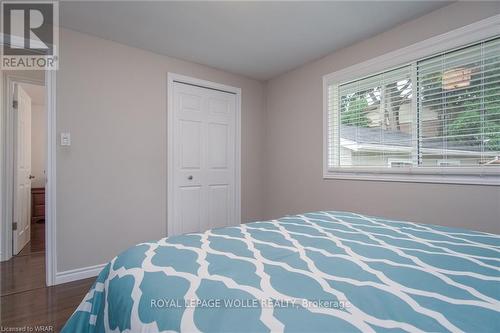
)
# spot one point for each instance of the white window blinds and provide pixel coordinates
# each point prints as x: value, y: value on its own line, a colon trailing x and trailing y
x: 459, y: 106
x: 442, y: 111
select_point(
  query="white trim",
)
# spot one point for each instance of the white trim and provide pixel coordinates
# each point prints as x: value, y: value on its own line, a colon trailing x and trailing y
x: 7, y: 164
x: 78, y: 274
x: 170, y: 151
x: 50, y: 186
x: 171, y: 77
x: 450, y: 175
x: 460, y: 37
x: 408, y: 177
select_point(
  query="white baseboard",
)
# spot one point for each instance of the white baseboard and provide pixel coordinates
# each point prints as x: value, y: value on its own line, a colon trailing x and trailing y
x: 78, y: 274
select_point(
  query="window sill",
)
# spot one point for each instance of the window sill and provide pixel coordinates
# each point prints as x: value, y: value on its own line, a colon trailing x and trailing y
x: 453, y: 176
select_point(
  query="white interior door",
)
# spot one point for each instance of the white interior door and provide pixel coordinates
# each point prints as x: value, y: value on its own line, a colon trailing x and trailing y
x: 204, y: 150
x: 22, y: 169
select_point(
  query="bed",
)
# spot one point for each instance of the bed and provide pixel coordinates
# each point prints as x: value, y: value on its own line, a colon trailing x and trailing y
x: 315, y: 272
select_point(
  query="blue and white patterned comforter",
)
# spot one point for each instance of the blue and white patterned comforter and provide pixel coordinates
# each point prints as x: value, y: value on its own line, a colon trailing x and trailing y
x: 317, y: 272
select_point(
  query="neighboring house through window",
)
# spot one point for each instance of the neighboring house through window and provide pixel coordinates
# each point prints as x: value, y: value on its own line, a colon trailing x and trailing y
x: 440, y: 112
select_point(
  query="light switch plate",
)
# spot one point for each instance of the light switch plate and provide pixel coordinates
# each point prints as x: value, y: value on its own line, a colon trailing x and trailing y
x: 65, y: 139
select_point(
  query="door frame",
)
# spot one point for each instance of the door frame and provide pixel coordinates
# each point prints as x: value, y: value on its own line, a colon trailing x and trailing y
x: 7, y: 167
x: 171, y: 78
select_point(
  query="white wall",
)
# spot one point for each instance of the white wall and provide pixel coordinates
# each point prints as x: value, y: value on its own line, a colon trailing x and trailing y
x: 294, y: 152
x: 111, y: 183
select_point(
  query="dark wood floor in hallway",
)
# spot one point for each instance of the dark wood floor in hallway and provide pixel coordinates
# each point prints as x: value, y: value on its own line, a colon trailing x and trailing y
x: 25, y: 299
x: 37, y: 241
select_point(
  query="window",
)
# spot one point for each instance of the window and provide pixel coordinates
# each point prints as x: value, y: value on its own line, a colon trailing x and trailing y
x: 448, y: 162
x: 395, y: 163
x: 439, y: 114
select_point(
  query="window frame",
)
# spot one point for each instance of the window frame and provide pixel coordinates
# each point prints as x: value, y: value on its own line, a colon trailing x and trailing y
x: 461, y: 37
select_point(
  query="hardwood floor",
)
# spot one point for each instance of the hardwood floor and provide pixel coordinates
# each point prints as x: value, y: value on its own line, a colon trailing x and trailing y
x: 46, y: 306
x: 37, y: 242
x: 22, y: 273
x: 25, y: 300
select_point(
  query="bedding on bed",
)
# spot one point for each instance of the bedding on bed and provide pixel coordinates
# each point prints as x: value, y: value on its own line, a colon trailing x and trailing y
x: 316, y: 272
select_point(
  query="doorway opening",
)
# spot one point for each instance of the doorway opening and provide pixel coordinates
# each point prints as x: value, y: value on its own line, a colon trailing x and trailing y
x: 30, y: 131
x: 27, y: 196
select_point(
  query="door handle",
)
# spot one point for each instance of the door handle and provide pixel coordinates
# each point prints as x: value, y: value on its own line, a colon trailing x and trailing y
x: 31, y: 177
x: 190, y: 177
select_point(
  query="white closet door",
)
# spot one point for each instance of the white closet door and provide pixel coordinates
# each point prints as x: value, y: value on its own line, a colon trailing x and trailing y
x: 204, y: 150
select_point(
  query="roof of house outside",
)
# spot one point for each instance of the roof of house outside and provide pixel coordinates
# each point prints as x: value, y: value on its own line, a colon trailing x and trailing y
x: 378, y: 136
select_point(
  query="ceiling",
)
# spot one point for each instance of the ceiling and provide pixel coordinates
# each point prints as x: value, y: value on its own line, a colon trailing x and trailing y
x: 257, y: 39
